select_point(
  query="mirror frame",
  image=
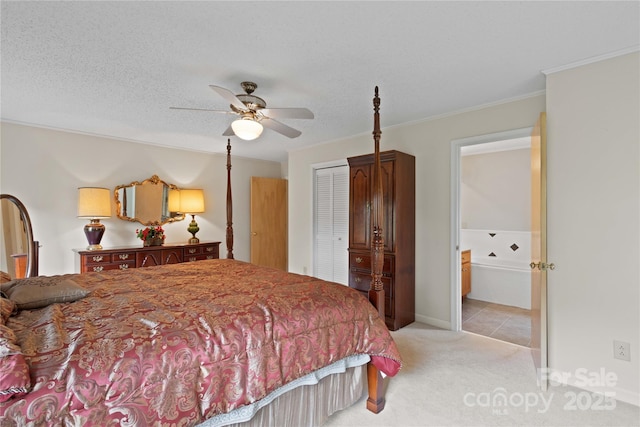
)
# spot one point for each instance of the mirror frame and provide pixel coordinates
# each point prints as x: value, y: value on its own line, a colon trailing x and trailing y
x: 32, y: 245
x: 153, y: 180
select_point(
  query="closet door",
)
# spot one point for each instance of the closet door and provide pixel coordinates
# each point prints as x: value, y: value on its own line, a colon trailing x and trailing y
x: 269, y: 222
x: 331, y: 224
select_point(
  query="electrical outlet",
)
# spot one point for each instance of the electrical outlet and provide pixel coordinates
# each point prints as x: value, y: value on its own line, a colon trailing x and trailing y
x: 622, y: 350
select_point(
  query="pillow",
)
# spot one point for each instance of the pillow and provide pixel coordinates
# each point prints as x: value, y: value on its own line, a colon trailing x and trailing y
x: 14, y: 370
x: 7, y: 308
x: 40, y: 291
x: 4, y: 277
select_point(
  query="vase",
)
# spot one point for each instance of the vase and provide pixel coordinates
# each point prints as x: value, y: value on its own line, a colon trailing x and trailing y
x: 156, y: 241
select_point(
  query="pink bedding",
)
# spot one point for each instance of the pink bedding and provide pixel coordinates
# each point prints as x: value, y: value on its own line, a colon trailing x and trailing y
x: 177, y: 344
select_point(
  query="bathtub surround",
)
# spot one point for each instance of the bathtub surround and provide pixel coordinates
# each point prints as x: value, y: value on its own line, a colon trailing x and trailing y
x: 500, y: 271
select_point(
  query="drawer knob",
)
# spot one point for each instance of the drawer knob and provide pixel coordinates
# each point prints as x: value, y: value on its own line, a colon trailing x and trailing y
x: 123, y: 256
x: 98, y: 258
x: 192, y: 258
x: 124, y: 266
x: 98, y: 268
x: 210, y: 257
x: 192, y: 251
x: 209, y: 249
x: 358, y: 259
x: 357, y: 280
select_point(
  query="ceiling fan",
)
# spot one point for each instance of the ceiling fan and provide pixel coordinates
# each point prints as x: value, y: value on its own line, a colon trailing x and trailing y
x: 254, y: 114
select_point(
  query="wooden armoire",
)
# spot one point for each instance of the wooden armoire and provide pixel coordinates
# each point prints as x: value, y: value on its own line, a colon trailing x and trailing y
x: 398, y: 272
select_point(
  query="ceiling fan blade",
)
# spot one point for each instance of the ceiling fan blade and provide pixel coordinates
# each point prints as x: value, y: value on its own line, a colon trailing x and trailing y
x: 202, y: 109
x: 229, y: 96
x: 228, y: 132
x: 287, y: 113
x: 280, y: 127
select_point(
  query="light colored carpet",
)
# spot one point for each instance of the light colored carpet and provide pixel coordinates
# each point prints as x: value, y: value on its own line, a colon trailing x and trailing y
x: 457, y: 379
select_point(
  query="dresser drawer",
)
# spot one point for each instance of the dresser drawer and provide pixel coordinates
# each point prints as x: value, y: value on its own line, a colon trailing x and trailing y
x: 191, y: 258
x: 192, y: 250
x: 388, y: 307
x: 201, y: 251
x: 112, y: 266
x: 362, y: 282
x: 362, y: 261
x: 123, y: 257
x: 96, y: 259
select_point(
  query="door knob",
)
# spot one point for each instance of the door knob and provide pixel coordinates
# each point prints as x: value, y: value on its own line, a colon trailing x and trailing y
x: 542, y: 266
x: 253, y: 233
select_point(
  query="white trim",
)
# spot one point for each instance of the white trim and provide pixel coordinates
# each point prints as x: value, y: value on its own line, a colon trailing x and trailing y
x: 592, y: 60
x: 330, y: 164
x: 432, y: 321
x: 497, y: 146
x: 456, y: 145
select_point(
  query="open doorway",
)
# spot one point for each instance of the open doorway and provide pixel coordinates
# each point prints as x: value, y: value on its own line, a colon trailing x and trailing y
x: 491, y: 204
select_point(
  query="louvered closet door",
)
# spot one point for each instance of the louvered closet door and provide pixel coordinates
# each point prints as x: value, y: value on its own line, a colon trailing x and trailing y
x: 331, y: 224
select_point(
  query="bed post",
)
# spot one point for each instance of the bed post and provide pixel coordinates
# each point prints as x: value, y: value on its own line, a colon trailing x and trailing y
x: 375, y: 402
x: 376, y: 290
x: 229, y: 204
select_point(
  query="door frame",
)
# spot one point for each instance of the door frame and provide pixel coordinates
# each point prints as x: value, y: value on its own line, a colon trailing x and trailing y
x: 456, y: 144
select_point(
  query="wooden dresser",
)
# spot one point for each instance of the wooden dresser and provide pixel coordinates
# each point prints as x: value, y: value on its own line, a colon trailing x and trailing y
x: 398, y: 272
x: 139, y: 256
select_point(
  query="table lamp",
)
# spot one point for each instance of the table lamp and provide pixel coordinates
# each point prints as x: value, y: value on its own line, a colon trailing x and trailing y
x: 94, y: 203
x: 192, y: 203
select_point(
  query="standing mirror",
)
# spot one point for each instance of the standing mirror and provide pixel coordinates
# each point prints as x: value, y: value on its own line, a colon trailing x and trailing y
x: 150, y: 202
x: 19, y: 252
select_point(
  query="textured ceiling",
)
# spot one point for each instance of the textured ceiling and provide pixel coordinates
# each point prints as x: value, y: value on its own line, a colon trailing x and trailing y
x: 114, y: 68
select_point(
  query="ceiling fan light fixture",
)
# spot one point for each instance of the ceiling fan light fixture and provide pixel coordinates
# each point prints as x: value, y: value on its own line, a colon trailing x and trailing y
x: 246, y: 128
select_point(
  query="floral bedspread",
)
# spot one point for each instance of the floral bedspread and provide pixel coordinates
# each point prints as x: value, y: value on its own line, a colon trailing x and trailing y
x: 177, y: 344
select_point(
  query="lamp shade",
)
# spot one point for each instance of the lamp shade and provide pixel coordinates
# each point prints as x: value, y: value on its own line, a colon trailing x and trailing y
x: 174, y: 201
x: 246, y: 129
x: 191, y: 201
x: 94, y: 202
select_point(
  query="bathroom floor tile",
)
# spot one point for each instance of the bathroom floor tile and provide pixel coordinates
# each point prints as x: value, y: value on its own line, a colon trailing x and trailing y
x: 502, y: 322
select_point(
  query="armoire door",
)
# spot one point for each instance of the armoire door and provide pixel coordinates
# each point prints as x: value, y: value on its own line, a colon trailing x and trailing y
x: 269, y: 222
x: 360, y: 205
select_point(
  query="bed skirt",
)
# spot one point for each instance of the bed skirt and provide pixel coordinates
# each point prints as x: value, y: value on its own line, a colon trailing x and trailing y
x: 307, y: 401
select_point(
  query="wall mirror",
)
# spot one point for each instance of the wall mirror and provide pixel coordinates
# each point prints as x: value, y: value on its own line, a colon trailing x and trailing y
x: 150, y: 202
x: 19, y: 250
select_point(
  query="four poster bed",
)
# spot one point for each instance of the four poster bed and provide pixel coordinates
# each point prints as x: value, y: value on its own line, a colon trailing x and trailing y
x: 213, y: 342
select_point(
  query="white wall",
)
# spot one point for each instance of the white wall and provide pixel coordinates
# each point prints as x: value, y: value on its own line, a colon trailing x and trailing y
x: 430, y: 142
x: 495, y: 190
x: 593, y: 209
x: 44, y: 168
x: 593, y: 218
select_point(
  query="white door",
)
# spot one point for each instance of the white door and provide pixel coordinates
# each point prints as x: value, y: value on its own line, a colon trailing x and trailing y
x: 539, y: 264
x: 331, y: 224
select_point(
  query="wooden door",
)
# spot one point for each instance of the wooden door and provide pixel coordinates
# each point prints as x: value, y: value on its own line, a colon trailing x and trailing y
x: 269, y: 222
x: 539, y: 250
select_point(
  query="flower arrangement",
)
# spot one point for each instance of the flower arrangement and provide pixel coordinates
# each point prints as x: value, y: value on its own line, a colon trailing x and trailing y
x: 151, y: 234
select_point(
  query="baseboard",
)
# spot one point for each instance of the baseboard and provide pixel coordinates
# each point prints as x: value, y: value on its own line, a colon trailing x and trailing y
x: 433, y: 322
x: 617, y: 393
